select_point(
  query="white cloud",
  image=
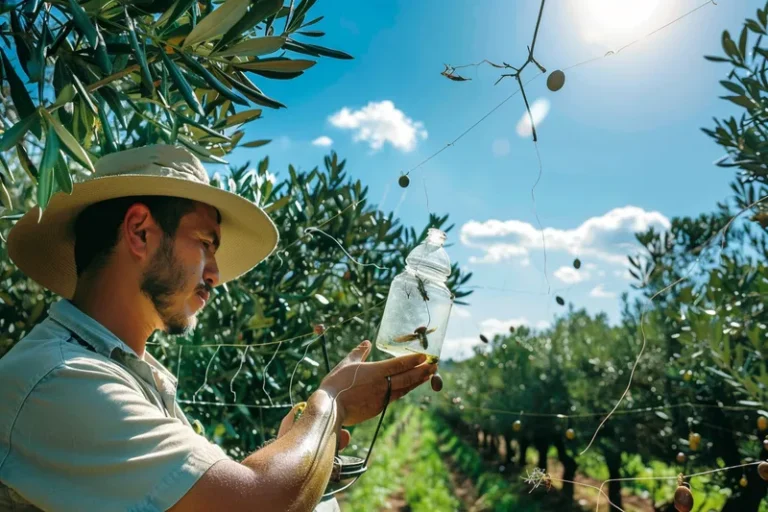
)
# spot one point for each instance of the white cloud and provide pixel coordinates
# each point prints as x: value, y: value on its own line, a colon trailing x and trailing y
x: 493, y: 326
x: 610, y: 237
x: 570, y: 275
x: 501, y: 252
x: 624, y: 274
x: 542, y: 324
x: 323, y: 141
x: 459, y: 349
x: 539, y: 111
x: 378, y: 123
x: 600, y: 293
x: 500, y: 147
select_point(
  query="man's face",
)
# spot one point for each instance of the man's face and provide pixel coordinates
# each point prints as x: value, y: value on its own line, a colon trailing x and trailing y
x: 182, y: 271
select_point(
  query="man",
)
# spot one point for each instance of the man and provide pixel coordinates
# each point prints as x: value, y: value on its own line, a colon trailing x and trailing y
x: 88, y: 418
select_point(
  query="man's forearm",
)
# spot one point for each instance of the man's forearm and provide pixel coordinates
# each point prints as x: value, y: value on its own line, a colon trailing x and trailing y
x: 300, y: 462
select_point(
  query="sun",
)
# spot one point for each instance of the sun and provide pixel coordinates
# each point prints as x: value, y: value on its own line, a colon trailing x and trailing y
x: 614, y: 21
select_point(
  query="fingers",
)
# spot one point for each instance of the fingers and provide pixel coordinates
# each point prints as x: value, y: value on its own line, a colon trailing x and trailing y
x: 359, y: 353
x: 398, y: 364
x: 413, y: 377
x: 344, y: 438
x: 400, y: 393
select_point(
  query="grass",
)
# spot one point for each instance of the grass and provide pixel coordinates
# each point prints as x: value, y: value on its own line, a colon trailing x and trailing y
x: 405, y: 464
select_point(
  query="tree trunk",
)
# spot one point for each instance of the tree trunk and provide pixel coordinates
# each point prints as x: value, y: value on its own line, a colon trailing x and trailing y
x: 510, y: 450
x: 524, y: 444
x: 747, y: 499
x: 613, y: 461
x: 569, y: 472
x: 542, y: 446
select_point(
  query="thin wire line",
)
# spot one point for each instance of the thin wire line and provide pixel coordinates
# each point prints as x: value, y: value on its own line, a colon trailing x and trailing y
x: 207, y: 368
x: 639, y: 410
x: 536, y: 214
x: 227, y: 404
x: 242, y: 362
x: 264, y: 373
x: 315, y: 230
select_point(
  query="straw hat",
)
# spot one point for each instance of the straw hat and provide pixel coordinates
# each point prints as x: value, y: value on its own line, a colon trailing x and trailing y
x: 44, y: 248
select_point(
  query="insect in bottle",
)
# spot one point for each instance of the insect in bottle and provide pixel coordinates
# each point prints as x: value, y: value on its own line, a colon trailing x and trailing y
x: 420, y: 333
x: 422, y: 289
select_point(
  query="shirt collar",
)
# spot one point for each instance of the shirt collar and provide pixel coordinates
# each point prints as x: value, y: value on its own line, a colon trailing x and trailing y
x: 91, y: 331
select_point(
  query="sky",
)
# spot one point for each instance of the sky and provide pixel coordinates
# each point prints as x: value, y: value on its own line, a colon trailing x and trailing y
x: 620, y: 144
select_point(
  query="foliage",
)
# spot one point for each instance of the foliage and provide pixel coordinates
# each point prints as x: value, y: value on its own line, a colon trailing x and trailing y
x: 406, y: 460
x: 87, y: 79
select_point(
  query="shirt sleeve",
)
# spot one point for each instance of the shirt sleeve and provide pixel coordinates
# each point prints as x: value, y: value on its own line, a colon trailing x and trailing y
x: 87, y: 438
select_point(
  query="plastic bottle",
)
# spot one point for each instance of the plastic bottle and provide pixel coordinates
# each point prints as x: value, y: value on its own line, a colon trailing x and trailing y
x: 419, y: 302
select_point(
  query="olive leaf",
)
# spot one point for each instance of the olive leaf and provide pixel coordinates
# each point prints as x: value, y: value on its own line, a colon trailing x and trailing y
x: 173, y: 13
x: 83, y: 23
x: 314, y: 50
x: 256, y: 143
x: 62, y: 175
x: 22, y: 48
x: 259, y: 11
x: 15, y: 133
x: 84, y: 95
x: 66, y: 95
x: 5, y: 197
x: 46, y: 171
x: 182, y: 85
x: 239, y: 118
x: 19, y: 94
x: 212, y: 80
x: 253, y: 47
x: 279, y: 65
x: 217, y: 22
x: 109, y: 137
x: 26, y: 163
x: 74, y: 148
x: 141, y: 57
x: 100, y: 52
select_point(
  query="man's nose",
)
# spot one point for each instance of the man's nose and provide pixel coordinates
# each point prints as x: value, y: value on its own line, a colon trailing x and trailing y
x: 211, y: 273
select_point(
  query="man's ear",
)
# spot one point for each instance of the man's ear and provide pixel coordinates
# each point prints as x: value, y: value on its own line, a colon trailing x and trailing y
x: 140, y: 231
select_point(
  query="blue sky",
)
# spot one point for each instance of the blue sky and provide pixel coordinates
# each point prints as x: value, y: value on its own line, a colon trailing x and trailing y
x: 621, y: 146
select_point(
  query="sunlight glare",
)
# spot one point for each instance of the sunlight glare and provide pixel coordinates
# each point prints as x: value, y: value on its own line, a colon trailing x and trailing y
x: 612, y: 21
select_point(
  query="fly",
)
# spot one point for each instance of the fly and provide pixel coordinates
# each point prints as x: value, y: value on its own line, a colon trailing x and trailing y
x: 420, y: 333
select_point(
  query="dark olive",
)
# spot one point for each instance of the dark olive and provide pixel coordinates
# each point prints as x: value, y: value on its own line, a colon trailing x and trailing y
x: 437, y: 382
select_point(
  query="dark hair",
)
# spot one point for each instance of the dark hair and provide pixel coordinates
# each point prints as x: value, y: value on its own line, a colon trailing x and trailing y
x: 97, y: 227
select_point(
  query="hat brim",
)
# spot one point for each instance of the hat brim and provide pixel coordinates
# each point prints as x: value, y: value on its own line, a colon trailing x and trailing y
x: 45, y: 250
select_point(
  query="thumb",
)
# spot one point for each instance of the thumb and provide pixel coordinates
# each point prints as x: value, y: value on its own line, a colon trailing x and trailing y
x: 360, y: 352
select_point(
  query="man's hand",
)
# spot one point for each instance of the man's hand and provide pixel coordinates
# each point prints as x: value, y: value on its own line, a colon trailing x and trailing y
x: 292, y: 416
x: 360, y: 387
